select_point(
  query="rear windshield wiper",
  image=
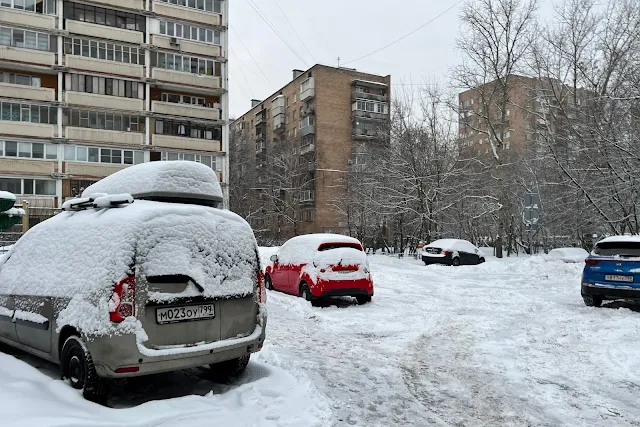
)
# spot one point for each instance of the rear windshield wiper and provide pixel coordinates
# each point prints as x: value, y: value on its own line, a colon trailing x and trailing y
x: 175, y: 278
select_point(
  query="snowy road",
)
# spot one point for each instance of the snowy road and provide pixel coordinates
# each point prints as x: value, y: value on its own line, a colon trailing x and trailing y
x: 507, y: 343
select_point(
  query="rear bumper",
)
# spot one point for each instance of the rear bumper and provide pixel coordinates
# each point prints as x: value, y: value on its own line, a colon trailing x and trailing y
x: 436, y: 260
x: 111, y: 353
x: 349, y: 292
x: 610, y: 292
x: 338, y: 288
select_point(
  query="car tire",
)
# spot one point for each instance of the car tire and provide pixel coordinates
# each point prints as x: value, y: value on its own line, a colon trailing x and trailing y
x: 305, y: 292
x: 363, y: 299
x: 481, y: 260
x: 592, y: 300
x: 77, y: 366
x: 268, y: 283
x: 224, y: 371
x: 455, y: 262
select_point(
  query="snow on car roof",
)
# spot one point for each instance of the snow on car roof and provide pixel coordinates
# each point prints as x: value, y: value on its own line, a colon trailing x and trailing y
x: 164, y: 178
x: 450, y: 244
x: 301, y: 249
x: 611, y: 239
x: 81, y: 254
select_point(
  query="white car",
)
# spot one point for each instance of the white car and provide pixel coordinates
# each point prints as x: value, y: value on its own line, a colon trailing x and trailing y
x: 452, y: 252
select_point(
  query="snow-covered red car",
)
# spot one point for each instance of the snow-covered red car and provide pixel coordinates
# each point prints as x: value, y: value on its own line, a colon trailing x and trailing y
x: 452, y: 252
x: 315, y: 266
x: 120, y: 285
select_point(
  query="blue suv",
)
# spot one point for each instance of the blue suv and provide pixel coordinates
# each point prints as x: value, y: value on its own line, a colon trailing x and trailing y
x: 612, y: 271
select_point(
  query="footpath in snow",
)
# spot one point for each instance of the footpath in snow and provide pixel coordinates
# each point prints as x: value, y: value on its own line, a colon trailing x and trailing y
x: 506, y: 343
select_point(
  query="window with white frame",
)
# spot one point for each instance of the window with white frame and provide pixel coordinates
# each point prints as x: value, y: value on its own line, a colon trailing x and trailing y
x: 28, y: 150
x: 306, y: 195
x: 205, y: 159
x: 372, y: 106
x: 104, y: 50
x: 23, y: 112
x: 103, y: 120
x: 306, y: 84
x: 186, y: 63
x: 24, y: 38
x: 37, y: 6
x: 188, y: 129
x: 81, y: 153
x: 104, y: 86
x: 20, y: 79
x: 214, y: 6
x: 28, y: 186
x: 182, y: 99
x: 189, y: 32
x: 307, y: 141
x: 307, y: 121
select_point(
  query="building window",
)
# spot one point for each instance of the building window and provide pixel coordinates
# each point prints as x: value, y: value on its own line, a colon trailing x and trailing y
x: 362, y: 89
x: 102, y: 155
x: 214, y: 6
x: 187, y: 64
x: 38, y: 187
x: 306, y: 84
x: 25, y: 39
x: 307, y: 215
x: 20, y: 79
x: 37, y: 6
x: 102, y: 16
x: 188, y: 129
x: 104, y: 50
x: 104, y: 86
x: 306, y: 196
x: 189, y: 32
x: 307, y: 121
x: 182, y: 99
x: 28, y: 150
x: 372, y: 106
x: 20, y: 112
x: 206, y: 159
x: 103, y: 120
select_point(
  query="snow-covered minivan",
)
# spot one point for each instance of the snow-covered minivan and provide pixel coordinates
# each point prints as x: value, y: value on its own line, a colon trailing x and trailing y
x: 142, y: 274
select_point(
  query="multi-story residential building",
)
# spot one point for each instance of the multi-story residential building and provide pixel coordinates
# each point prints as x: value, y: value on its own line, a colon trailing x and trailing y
x: 529, y: 113
x: 90, y: 87
x: 291, y: 151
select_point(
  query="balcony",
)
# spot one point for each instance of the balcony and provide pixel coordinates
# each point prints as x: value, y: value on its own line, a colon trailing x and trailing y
x: 187, y: 79
x: 27, y: 19
x: 372, y: 96
x: 359, y: 133
x: 275, y: 111
x: 96, y: 170
x: 260, y: 118
x: 125, y: 4
x: 184, y: 143
x: 27, y: 92
x: 37, y: 130
x: 187, y: 46
x: 104, y: 66
x: 307, y: 89
x: 370, y: 114
x: 103, y: 32
x: 106, y: 136
x: 187, y: 13
x: 307, y: 149
x: 28, y: 167
x: 188, y: 110
x: 27, y: 56
x: 307, y: 126
x: 103, y: 101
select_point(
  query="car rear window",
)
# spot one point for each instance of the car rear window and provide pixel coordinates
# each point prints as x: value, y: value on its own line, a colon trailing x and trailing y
x: 623, y: 249
x: 329, y: 246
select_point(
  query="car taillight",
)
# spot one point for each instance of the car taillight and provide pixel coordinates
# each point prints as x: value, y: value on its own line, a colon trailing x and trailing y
x: 261, y: 294
x: 591, y: 261
x: 445, y: 253
x: 123, y: 300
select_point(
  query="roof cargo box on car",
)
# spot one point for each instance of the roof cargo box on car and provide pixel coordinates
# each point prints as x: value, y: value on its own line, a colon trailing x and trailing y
x: 167, y: 181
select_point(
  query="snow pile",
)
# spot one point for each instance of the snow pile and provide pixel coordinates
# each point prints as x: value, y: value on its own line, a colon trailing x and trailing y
x: 8, y: 196
x: 169, y: 177
x: 30, y: 317
x: 338, y: 257
x: 577, y: 255
x: 14, y: 212
x: 82, y: 254
x: 302, y: 249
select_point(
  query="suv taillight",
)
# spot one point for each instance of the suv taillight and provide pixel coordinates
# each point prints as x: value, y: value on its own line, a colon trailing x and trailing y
x: 445, y: 253
x: 591, y: 261
x: 261, y: 294
x: 123, y: 300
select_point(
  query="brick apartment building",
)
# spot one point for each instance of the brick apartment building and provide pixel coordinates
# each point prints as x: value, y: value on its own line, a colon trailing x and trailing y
x: 90, y: 87
x: 291, y: 151
x: 533, y: 112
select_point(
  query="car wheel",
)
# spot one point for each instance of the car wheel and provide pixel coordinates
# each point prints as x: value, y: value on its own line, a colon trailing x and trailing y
x: 77, y: 366
x: 224, y: 371
x: 305, y: 292
x: 481, y: 260
x: 455, y: 262
x: 363, y: 299
x: 592, y: 301
x: 268, y: 283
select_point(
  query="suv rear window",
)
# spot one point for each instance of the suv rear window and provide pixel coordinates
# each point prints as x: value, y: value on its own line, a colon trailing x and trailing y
x: 329, y: 246
x: 623, y: 249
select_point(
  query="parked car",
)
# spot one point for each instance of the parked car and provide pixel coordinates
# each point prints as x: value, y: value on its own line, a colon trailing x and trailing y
x: 117, y: 286
x: 452, y: 252
x: 612, y: 271
x: 569, y: 255
x: 317, y: 266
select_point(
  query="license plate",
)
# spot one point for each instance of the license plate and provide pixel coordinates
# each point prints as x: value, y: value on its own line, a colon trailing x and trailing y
x: 613, y: 278
x: 184, y: 314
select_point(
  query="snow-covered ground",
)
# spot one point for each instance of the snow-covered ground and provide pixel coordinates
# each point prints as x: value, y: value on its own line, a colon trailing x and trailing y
x: 506, y: 343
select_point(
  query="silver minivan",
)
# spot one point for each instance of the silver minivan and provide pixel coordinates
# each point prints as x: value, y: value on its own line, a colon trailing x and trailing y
x: 142, y: 274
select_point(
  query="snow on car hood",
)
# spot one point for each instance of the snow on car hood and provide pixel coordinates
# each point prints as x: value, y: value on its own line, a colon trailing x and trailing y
x: 340, y: 256
x: 80, y: 255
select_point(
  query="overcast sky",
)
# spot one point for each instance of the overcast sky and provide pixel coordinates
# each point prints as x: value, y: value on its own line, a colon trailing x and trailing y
x: 338, y: 28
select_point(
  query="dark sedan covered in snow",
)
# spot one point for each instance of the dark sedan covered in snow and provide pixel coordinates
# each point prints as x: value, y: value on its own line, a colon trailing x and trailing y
x: 452, y: 252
